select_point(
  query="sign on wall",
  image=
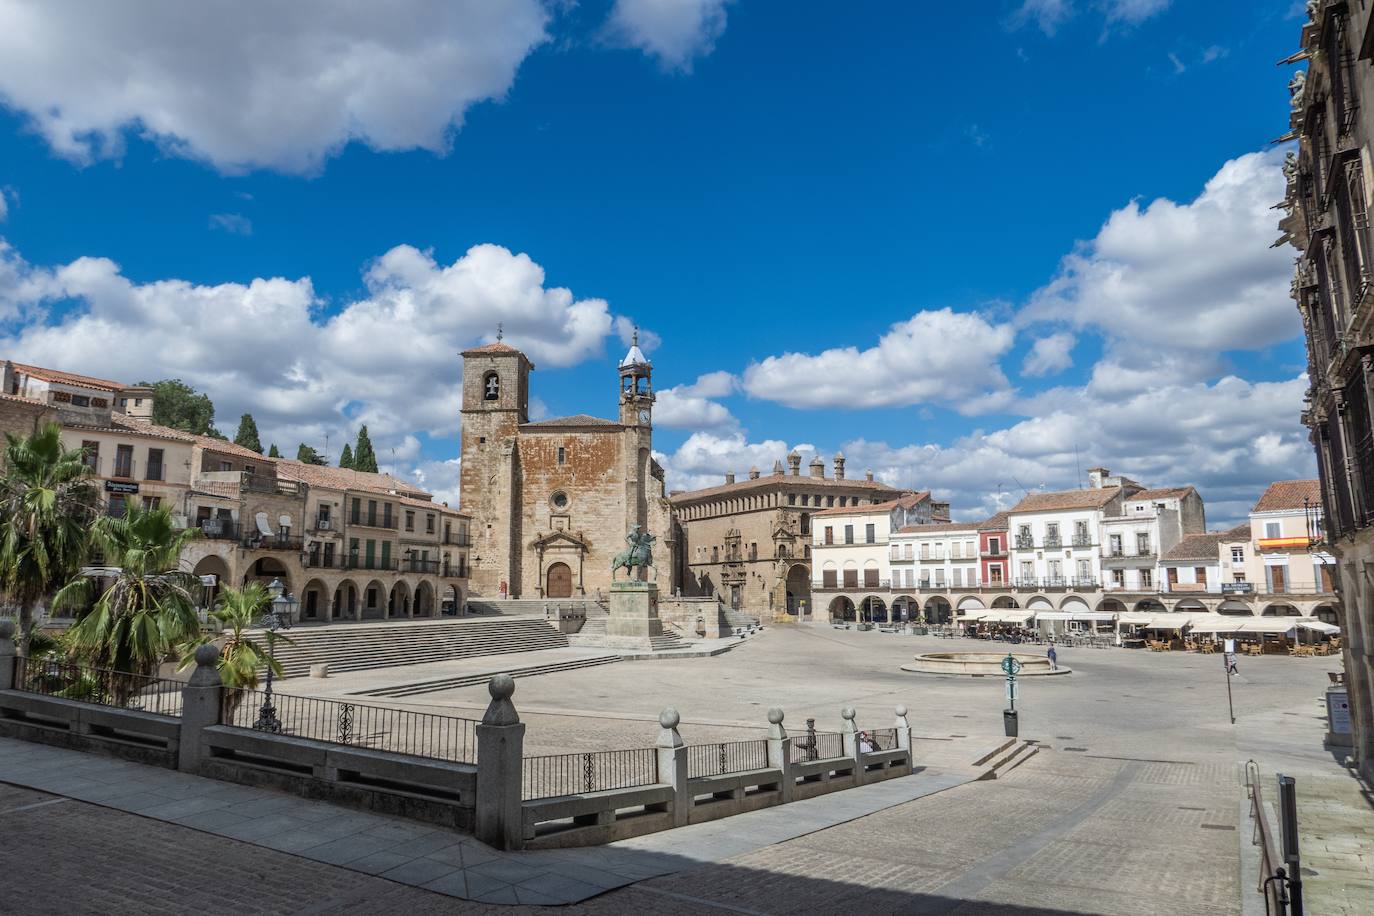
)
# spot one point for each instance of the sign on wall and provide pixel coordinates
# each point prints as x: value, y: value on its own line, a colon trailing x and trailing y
x: 116, y: 486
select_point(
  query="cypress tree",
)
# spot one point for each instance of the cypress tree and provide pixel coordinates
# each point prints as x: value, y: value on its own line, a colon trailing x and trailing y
x: 248, y: 434
x: 364, y: 458
x: 308, y: 455
x: 346, y: 458
x: 272, y: 451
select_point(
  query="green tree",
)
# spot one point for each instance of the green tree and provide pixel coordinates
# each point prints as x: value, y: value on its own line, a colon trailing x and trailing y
x: 308, y: 455
x: 149, y: 608
x: 47, y: 505
x: 272, y: 451
x: 247, y: 436
x: 240, y: 657
x: 364, y: 458
x: 178, y: 405
x: 346, y: 457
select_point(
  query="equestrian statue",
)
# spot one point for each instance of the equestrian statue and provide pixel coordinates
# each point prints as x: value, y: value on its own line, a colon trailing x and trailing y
x: 638, y: 556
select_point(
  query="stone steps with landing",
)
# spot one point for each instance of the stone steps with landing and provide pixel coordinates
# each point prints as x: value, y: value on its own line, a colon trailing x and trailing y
x: 364, y: 646
x: 473, y: 678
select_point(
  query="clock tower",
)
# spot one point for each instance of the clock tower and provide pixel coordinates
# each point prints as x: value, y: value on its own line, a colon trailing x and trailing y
x: 636, y: 387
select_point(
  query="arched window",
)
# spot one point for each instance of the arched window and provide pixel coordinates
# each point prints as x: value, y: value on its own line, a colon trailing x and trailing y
x: 491, y: 386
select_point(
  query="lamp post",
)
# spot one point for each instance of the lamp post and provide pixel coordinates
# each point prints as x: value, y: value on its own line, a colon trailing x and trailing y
x: 279, y: 618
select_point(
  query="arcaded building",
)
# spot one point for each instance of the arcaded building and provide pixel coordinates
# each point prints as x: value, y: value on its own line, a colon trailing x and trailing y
x: 748, y: 542
x: 554, y: 499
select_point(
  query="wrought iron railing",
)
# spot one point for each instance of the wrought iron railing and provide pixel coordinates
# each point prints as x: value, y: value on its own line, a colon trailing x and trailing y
x: 726, y: 757
x: 260, y: 541
x: 379, y: 728
x: 814, y: 745
x: 101, y: 686
x: 428, y: 567
x: 883, y: 739
x: 553, y: 775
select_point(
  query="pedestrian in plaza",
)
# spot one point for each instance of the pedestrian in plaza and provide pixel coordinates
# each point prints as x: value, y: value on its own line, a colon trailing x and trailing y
x: 1231, y: 664
x: 865, y: 743
x: 1053, y: 657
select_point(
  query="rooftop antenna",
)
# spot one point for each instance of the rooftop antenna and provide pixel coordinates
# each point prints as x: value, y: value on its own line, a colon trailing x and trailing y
x: 1021, y: 485
x: 326, y: 447
x: 1078, y: 468
x: 500, y: 332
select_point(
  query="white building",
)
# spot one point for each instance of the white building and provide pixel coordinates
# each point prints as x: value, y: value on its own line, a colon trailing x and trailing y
x: 1056, y: 538
x: 1151, y: 523
x: 850, y: 545
x: 934, y: 556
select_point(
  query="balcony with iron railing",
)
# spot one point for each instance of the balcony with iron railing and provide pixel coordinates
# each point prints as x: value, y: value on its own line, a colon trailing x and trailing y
x: 259, y: 541
x: 373, y: 521
x: 385, y: 564
x: 1025, y: 542
x: 218, y: 530
x: 458, y: 540
x: 453, y: 571
x: 421, y: 566
x: 318, y: 560
x: 1082, y: 541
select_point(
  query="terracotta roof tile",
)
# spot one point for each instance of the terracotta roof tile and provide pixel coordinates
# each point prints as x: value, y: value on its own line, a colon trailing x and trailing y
x: 494, y: 347
x: 936, y: 528
x: 906, y: 501
x: 69, y: 378
x: 430, y: 504
x: 318, y: 475
x: 829, y: 485
x: 227, y: 447
x: 1204, y: 546
x: 1067, y: 499
x: 996, y: 522
x: 1289, y: 494
x: 580, y: 419
x: 1163, y: 493
x: 22, y: 400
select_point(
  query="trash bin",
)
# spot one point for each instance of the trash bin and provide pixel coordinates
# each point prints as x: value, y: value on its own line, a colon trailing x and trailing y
x: 1009, y: 722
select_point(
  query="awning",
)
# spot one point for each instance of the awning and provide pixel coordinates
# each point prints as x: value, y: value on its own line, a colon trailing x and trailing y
x: 1317, y: 626
x: 1268, y: 625
x: 1018, y: 615
x: 976, y: 615
x: 1074, y: 615
x: 1219, y: 623
x: 1169, y: 622
x: 1134, y: 620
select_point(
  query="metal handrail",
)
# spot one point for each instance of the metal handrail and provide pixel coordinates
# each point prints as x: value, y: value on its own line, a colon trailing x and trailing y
x: 1270, y: 861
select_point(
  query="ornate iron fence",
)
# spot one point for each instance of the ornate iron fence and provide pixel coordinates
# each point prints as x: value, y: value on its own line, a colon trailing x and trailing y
x: 379, y: 728
x: 726, y: 757
x: 592, y: 771
x: 883, y: 739
x: 101, y: 686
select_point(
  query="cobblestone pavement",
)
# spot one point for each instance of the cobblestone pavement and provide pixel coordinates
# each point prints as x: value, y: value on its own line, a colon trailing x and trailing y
x: 1063, y: 833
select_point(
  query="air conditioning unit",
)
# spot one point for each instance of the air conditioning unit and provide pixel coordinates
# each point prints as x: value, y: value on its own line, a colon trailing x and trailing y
x: 322, y: 524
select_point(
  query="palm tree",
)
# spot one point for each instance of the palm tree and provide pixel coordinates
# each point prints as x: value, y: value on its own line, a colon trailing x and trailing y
x: 240, y: 658
x: 150, y: 606
x: 47, y: 504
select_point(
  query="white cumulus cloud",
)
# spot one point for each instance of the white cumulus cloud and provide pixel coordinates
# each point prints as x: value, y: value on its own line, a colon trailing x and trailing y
x: 1050, y: 355
x: 935, y: 357
x: 244, y: 84
x: 691, y: 406
x: 676, y: 32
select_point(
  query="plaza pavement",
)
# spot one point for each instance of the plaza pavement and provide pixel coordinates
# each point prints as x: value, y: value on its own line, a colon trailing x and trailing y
x: 1134, y: 806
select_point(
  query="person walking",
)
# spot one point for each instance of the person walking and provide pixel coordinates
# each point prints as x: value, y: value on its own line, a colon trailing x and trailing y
x: 1231, y: 664
x: 1053, y: 657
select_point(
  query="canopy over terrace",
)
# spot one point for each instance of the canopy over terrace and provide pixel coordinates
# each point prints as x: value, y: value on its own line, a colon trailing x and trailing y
x: 1261, y: 625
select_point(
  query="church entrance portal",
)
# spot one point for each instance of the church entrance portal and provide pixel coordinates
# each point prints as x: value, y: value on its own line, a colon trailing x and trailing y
x: 560, y: 581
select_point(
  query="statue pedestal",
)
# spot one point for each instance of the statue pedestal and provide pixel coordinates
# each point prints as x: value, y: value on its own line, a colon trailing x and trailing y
x: 633, y: 624
x: 634, y: 610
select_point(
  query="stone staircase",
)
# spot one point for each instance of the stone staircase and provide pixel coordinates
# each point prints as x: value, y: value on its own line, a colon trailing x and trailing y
x: 481, y: 677
x: 533, y: 607
x: 360, y: 646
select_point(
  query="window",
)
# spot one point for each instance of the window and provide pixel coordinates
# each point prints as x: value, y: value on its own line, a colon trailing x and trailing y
x: 1142, y: 543
x: 559, y: 500
x: 925, y: 551
x: 1237, y: 554
x: 1027, y: 569
x: 829, y: 534
x: 956, y: 551
x: 491, y: 387
x: 806, y: 523
x: 849, y: 534
x: 1085, y: 571
x: 829, y: 501
x: 754, y: 551
x: 939, y: 578
x: 851, y: 578
x: 151, y: 502
x: 970, y: 549
x: 1147, y: 578
x: 1273, y: 530
x: 386, y: 515
x: 828, y: 578
x: 958, y: 579
x: 226, y: 466
x: 80, y: 400
x: 1056, y: 569
x: 1119, y: 578
x: 154, y: 469
x: 124, y: 461
x: 1200, y: 575
x: 90, y: 454
x: 410, y: 520
x: 715, y: 554
x: 1114, y: 545
x: 870, y: 578
x: 562, y: 455
x: 429, y: 523
x: 1023, y: 536
x: 906, y: 551
x: 355, y: 514
x: 806, y: 499
x: 116, y: 505
x: 995, y: 573
x: 1052, y: 534
x: 249, y: 469
x: 869, y: 534
x: 1080, y: 533
x: 995, y: 546
x: 791, y: 499
x: 322, y: 516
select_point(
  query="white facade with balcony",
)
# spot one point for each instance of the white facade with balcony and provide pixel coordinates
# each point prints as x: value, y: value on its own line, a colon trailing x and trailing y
x: 931, y: 557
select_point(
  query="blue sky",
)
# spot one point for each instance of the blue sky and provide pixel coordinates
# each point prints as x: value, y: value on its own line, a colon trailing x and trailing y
x: 975, y: 248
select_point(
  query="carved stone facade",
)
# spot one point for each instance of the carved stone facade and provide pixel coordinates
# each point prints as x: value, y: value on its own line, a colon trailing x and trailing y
x: 748, y: 542
x: 1327, y: 204
x: 554, y: 499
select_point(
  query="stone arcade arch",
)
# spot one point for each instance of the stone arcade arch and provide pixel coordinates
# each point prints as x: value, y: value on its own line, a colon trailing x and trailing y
x: 398, y: 602
x: 905, y: 607
x: 424, y: 599
x: 1236, y: 608
x: 211, y: 566
x: 938, y: 610
x: 373, y: 603
x: 1004, y: 601
x: 314, y: 602
x: 265, y: 569
x: 798, y: 589
x: 874, y: 610
x: 346, y: 604
x: 841, y: 608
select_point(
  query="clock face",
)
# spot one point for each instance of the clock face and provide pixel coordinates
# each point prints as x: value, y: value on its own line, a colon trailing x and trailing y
x: 644, y: 416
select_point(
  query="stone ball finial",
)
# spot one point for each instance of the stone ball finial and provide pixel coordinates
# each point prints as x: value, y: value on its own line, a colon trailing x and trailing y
x: 775, y: 716
x: 207, y: 656
x: 6, y: 628
x: 669, y: 718
x: 501, y: 687
x: 901, y: 710
x: 848, y: 712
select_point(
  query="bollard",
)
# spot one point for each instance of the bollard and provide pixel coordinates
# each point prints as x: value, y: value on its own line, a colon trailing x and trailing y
x: 202, y: 705
x: 499, y: 818
x: 9, y: 655
x: 780, y: 753
x: 850, y: 731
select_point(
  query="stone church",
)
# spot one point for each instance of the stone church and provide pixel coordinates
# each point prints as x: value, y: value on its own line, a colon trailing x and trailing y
x: 553, y: 500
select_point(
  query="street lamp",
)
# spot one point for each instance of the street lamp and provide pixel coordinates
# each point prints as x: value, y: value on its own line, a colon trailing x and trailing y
x: 279, y: 618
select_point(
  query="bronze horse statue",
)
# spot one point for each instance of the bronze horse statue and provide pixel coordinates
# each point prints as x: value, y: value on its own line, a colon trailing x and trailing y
x: 639, y: 555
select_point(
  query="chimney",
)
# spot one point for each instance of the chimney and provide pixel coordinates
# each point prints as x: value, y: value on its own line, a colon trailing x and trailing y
x: 817, y: 467
x: 868, y: 475
x: 729, y: 476
x: 794, y: 464
x: 754, y: 473
x: 839, y: 465
x: 1096, y: 476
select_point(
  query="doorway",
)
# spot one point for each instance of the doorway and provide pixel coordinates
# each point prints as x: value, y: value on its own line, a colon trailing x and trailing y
x: 559, y: 581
